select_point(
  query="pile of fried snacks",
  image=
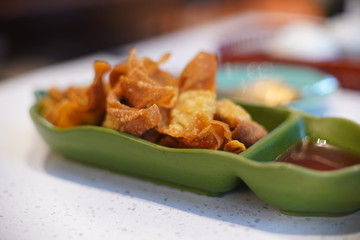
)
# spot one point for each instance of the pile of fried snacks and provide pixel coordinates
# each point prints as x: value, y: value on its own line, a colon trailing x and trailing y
x: 140, y: 99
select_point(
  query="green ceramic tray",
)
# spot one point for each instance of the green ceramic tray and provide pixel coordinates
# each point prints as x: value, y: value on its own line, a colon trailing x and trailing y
x: 290, y: 188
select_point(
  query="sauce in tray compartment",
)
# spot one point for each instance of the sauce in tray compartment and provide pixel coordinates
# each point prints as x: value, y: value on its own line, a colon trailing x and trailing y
x: 318, y: 155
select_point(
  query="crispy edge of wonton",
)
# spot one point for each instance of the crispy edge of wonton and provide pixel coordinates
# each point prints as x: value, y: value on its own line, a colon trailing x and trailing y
x: 141, y: 91
x: 78, y: 106
x: 161, y: 77
x: 234, y: 146
x: 199, y: 73
x: 230, y: 113
x: 151, y: 68
x: 127, y: 119
x: 191, y: 120
x: 190, y: 106
x: 248, y: 132
x: 214, y: 136
x: 192, y: 125
x: 244, y: 129
x: 144, y: 83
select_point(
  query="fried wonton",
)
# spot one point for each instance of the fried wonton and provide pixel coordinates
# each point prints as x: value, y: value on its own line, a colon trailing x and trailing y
x: 150, y: 67
x: 229, y: 112
x: 244, y: 129
x: 211, y: 135
x: 127, y: 119
x: 143, y: 83
x: 78, y: 106
x: 192, y: 108
x: 191, y: 119
x: 234, y: 146
x: 199, y: 73
x: 248, y: 132
x: 140, y: 97
x: 145, y: 101
x: 192, y: 124
x: 141, y: 91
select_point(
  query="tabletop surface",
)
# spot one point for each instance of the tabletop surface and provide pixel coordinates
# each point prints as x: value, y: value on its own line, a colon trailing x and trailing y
x: 46, y: 196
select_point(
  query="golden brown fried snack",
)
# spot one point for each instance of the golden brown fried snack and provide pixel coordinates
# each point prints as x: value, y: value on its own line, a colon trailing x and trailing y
x: 199, y: 73
x: 248, y: 132
x: 143, y: 83
x: 231, y: 113
x: 147, y: 102
x: 161, y: 77
x: 127, y: 119
x: 77, y: 106
x: 123, y: 68
x: 116, y: 73
x: 234, y: 146
x: 203, y: 133
x: 243, y: 128
x: 141, y: 91
x: 150, y: 67
x: 210, y: 135
x: 190, y: 106
x: 140, y: 86
x: 191, y: 120
x: 168, y: 141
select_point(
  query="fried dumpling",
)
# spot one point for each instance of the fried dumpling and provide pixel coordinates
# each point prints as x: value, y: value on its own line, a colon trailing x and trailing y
x: 230, y: 113
x: 244, y: 129
x: 199, y: 73
x: 134, y: 121
x: 78, y: 106
x: 191, y: 119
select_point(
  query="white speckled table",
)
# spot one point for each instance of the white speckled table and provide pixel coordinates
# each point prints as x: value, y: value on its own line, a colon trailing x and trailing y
x: 45, y: 196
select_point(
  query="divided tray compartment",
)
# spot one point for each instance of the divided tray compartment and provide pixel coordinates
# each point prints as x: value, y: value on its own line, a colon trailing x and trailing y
x: 292, y: 189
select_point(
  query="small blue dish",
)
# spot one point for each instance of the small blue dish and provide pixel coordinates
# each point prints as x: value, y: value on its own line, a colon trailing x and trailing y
x: 312, y: 85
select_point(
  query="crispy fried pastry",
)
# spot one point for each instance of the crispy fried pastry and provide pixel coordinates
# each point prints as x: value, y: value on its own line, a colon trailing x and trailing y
x: 143, y: 83
x: 229, y: 112
x: 159, y: 76
x: 141, y: 91
x: 199, y: 73
x: 248, y: 132
x: 192, y: 107
x: 244, y: 129
x: 139, y: 100
x: 191, y: 119
x: 211, y: 135
x: 127, y: 119
x: 142, y: 100
x: 77, y: 106
x: 234, y: 146
x: 150, y: 67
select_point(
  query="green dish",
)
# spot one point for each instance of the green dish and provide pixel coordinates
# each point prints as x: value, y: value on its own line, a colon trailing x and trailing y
x: 290, y: 188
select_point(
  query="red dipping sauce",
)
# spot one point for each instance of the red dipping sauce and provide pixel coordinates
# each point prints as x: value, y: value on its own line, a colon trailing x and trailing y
x: 319, y: 156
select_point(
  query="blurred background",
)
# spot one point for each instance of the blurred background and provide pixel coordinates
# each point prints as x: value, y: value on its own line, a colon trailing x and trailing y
x: 37, y: 33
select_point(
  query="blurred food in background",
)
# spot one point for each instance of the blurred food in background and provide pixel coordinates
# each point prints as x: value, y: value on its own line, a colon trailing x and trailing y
x: 268, y: 91
x: 331, y: 44
x: 302, y: 87
x: 303, y: 40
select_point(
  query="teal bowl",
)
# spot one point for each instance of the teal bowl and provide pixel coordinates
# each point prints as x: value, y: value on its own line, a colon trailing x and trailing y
x: 290, y: 188
x: 312, y: 85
